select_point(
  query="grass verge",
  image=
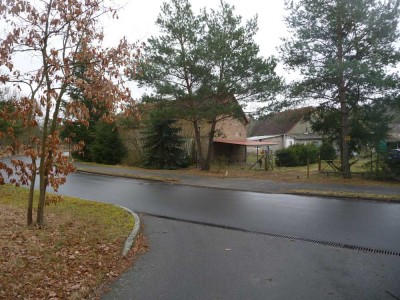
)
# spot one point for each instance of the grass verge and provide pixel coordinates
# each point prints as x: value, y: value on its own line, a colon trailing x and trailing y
x: 279, y: 174
x: 78, y: 251
x: 343, y: 194
x: 128, y: 175
x: 289, y: 174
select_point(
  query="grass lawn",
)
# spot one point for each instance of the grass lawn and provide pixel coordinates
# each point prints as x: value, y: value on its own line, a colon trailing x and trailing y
x: 77, y: 252
x: 290, y: 174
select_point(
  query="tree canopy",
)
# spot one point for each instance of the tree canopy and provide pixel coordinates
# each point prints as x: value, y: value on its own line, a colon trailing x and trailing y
x: 204, y: 64
x: 60, y: 35
x: 346, y: 54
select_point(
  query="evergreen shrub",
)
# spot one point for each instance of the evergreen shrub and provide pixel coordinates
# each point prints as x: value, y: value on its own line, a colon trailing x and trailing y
x: 297, y: 155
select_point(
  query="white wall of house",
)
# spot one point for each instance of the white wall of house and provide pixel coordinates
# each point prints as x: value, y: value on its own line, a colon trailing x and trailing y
x: 276, y: 139
x: 288, y: 141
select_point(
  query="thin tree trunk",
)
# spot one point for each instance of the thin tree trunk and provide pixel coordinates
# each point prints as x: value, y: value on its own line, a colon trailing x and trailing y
x: 43, y: 159
x: 44, y: 181
x: 345, y: 155
x: 197, y: 135
x: 207, y: 163
x: 42, y: 195
x: 31, y: 194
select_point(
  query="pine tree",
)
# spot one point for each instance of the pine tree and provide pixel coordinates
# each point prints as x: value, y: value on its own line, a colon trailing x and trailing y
x: 107, y: 147
x: 346, y: 53
x: 163, y: 145
x: 204, y: 64
x: 76, y: 130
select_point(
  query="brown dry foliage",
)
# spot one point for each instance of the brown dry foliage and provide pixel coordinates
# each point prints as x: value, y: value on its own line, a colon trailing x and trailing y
x: 66, y: 37
x: 71, y: 258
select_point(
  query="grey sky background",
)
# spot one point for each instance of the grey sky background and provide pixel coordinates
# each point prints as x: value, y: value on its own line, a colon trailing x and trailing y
x: 137, y: 22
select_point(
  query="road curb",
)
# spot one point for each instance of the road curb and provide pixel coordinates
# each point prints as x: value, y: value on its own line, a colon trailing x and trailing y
x: 374, y: 198
x: 128, y: 176
x: 134, y: 233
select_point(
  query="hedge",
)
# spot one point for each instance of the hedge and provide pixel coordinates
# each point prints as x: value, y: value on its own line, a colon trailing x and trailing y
x: 297, y: 155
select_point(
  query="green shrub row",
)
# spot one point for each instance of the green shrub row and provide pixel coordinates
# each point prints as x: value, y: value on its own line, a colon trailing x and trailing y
x: 297, y: 155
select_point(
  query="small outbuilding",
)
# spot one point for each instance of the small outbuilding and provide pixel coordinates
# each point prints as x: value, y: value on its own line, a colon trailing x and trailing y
x: 285, y: 129
x: 235, y: 151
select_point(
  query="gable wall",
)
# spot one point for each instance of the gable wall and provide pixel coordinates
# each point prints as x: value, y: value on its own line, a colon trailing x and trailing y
x: 229, y: 128
x: 300, y: 128
x: 232, y: 129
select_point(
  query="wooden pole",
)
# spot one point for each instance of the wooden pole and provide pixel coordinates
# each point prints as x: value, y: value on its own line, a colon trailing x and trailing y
x: 257, y: 155
x: 245, y: 158
x: 272, y: 158
x: 319, y: 163
x: 371, y: 161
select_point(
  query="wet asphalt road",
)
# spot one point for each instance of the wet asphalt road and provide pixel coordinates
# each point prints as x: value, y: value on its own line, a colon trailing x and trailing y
x: 362, y: 223
x: 190, y: 261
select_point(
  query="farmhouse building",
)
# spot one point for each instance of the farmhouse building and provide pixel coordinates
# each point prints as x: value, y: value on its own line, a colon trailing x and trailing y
x: 285, y: 129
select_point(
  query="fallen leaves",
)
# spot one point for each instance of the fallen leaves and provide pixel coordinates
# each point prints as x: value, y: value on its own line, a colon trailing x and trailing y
x: 78, y: 251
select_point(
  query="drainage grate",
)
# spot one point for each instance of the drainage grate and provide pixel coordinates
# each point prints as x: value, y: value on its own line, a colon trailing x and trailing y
x: 283, y: 236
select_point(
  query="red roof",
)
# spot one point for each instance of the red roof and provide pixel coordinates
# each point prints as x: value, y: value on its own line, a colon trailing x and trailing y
x: 243, y: 142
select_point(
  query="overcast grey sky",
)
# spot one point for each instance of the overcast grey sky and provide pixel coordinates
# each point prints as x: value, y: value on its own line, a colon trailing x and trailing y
x: 137, y: 22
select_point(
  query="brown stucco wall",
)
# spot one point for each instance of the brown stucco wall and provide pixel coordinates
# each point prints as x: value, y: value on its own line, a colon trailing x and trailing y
x: 229, y: 128
x: 232, y: 129
x: 130, y: 138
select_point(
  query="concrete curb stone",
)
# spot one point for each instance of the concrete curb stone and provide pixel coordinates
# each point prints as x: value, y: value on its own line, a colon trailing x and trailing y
x: 134, y: 233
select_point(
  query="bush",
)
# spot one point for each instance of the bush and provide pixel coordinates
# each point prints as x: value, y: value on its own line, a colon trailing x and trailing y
x: 287, y: 158
x: 297, y: 155
x: 327, y: 151
x: 107, y: 147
